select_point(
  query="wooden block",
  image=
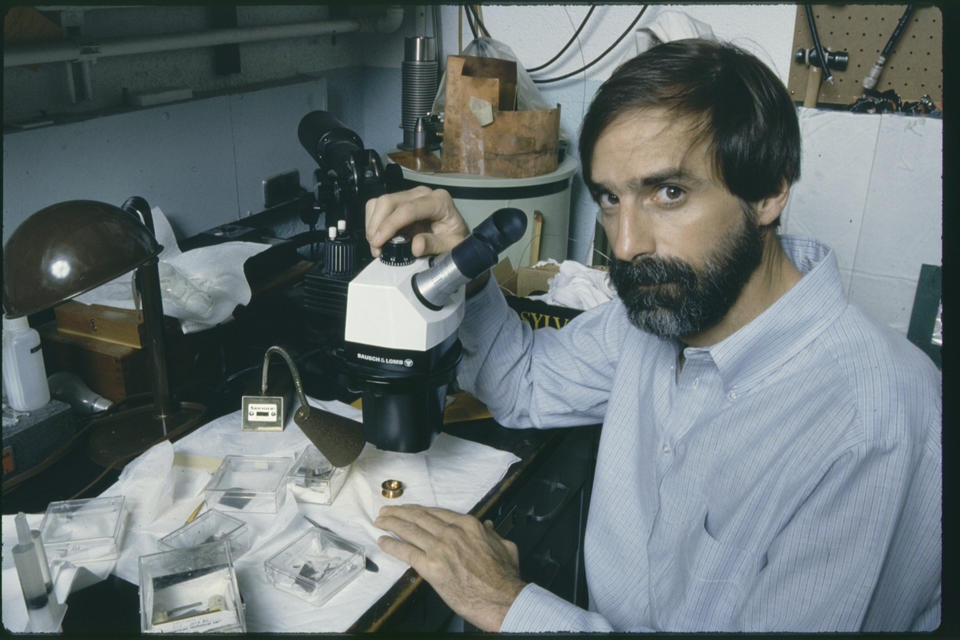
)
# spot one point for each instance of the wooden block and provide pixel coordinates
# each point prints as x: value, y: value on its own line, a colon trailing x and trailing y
x: 516, y: 144
x: 113, y: 370
x: 110, y: 324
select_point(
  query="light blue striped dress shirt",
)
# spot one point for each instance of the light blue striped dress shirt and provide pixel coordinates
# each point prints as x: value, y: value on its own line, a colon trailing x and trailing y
x: 788, y: 479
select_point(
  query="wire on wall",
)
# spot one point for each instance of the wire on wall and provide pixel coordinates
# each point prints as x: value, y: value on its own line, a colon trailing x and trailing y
x: 566, y: 46
x: 478, y: 17
x: 473, y: 27
x: 822, y: 58
x: 870, y: 81
x: 601, y: 56
x: 438, y: 36
x: 476, y: 22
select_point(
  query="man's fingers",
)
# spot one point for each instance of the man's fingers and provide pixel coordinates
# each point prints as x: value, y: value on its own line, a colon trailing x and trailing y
x: 412, y: 522
x: 388, y: 214
x: 401, y: 550
x: 430, y: 244
x: 412, y: 511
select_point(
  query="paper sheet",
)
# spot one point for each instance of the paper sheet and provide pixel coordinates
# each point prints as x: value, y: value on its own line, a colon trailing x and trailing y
x: 577, y: 286
x: 200, y: 287
x: 454, y: 473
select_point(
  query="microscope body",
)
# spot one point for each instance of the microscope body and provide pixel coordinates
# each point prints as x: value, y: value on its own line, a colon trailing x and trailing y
x: 398, y: 347
x: 399, y: 354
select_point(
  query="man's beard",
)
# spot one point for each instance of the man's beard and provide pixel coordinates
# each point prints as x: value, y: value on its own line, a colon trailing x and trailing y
x: 669, y: 298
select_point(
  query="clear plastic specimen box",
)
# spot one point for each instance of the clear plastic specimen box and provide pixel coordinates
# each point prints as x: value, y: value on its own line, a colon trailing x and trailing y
x: 313, y: 479
x: 86, y: 530
x: 248, y: 484
x: 315, y: 566
x: 209, y: 527
x: 191, y: 590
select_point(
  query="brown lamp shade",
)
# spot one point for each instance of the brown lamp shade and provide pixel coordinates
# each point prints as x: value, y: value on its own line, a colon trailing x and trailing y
x: 70, y: 248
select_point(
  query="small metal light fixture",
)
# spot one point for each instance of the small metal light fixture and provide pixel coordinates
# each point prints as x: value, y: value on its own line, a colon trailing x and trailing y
x: 72, y: 247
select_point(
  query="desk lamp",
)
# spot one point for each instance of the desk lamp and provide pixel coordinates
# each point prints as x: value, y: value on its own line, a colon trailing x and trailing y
x: 72, y: 247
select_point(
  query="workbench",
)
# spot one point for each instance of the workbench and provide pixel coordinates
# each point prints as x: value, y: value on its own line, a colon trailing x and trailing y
x: 540, y: 504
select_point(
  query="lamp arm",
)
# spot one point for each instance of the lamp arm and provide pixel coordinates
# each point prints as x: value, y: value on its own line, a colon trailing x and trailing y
x: 148, y: 276
x: 138, y: 206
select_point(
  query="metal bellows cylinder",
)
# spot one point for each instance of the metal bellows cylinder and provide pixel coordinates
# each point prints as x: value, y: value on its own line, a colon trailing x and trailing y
x: 420, y: 78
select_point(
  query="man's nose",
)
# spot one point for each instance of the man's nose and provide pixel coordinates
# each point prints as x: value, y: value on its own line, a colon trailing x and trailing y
x: 634, y: 236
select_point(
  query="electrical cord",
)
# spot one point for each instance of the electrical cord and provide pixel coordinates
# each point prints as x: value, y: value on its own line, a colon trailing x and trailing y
x: 476, y: 16
x: 10, y: 484
x: 870, y: 81
x: 897, y: 31
x: 438, y: 36
x: 566, y: 46
x: 821, y: 56
x: 170, y: 436
x: 601, y: 56
x: 473, y: 27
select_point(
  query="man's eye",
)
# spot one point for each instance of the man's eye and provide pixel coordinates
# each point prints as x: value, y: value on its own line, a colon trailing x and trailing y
x: 670, y: 193
x: 607, y: 200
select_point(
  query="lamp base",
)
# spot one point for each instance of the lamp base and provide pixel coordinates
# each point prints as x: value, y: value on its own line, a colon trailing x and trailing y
x: 121, y: 436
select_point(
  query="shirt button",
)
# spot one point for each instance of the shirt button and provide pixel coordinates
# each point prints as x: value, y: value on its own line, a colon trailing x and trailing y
x: 666, y: 448
x: 696, y: 382
x: 732, y: 394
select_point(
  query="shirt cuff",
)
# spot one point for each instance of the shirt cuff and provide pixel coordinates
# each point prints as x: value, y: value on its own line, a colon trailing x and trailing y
x: 536, y: 610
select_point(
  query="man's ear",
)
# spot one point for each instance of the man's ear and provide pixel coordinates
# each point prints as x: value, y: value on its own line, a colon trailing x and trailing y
x: 770, y: 208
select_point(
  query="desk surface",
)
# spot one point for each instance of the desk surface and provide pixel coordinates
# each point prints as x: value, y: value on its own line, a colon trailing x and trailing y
x: 529, y: 445
x: 112, y: 606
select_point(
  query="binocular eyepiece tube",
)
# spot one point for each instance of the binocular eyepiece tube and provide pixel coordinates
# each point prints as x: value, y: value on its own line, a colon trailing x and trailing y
x: 477, y: 253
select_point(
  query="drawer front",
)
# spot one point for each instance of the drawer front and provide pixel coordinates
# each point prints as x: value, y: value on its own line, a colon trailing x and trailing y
x: 546, y: 516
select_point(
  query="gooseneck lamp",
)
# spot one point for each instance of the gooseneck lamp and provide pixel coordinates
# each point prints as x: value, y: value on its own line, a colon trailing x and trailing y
x: 72, y: 247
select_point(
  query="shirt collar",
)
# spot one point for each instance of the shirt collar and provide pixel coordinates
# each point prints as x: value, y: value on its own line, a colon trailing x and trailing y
x: 750, y: 354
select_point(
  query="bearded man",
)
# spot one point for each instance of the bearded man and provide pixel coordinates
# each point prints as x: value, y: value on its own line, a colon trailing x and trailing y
x: 782, y: 449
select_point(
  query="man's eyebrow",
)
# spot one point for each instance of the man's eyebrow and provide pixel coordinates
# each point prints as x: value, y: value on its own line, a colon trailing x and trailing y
x: 667, y: 175
x: 664, y: 176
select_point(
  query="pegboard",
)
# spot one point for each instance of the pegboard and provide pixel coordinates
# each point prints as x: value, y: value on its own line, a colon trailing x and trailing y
x: 914, y: 66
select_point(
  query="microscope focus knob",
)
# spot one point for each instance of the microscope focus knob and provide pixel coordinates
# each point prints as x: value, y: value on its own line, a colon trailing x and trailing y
x: 397, y: 252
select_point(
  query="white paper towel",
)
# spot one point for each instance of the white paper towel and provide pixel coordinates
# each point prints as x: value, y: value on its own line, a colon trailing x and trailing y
x: 200, y: 287
x: 454, y: 474
x: 577, y: 286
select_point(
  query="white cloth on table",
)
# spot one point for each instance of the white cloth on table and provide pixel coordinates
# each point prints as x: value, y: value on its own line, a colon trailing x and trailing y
x: 168, y: 481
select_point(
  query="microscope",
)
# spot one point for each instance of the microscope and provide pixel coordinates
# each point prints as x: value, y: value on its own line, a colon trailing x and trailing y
x: 395, y: 320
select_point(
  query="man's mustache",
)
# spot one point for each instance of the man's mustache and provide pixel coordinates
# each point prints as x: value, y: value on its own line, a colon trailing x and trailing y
x: 653, y: 271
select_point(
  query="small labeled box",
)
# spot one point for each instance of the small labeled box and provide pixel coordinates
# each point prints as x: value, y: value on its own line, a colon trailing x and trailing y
x: 248, y: 484
x: 88, y: 530
x: 210, y: 527
x: 192, y: 590
x: 313, y: 479
x: 316, y: 566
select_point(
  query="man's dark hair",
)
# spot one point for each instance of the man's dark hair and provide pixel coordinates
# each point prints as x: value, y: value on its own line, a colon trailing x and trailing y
x: 730, y: 96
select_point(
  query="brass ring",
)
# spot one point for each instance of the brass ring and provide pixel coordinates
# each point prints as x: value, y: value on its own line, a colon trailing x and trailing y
x: 391, y: 488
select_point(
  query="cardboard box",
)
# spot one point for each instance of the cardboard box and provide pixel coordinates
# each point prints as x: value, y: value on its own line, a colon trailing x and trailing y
x: 102, y: 346
x: 506, y: 142
x: 115, y: 371
x: 119, y: 326
x: 525, y: 281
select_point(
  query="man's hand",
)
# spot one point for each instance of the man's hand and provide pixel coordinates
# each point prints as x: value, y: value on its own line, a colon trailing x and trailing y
x: 474, y: 570
x: 427, y: 215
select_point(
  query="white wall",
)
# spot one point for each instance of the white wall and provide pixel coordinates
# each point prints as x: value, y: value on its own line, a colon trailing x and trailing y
x: 871, y: 188
x: 871, y: 185
x: 201, y: 161
x: 861, y: 173
x: 536, y: 32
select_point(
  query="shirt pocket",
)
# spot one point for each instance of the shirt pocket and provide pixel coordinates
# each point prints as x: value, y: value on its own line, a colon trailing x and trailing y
x: 698, y: 583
